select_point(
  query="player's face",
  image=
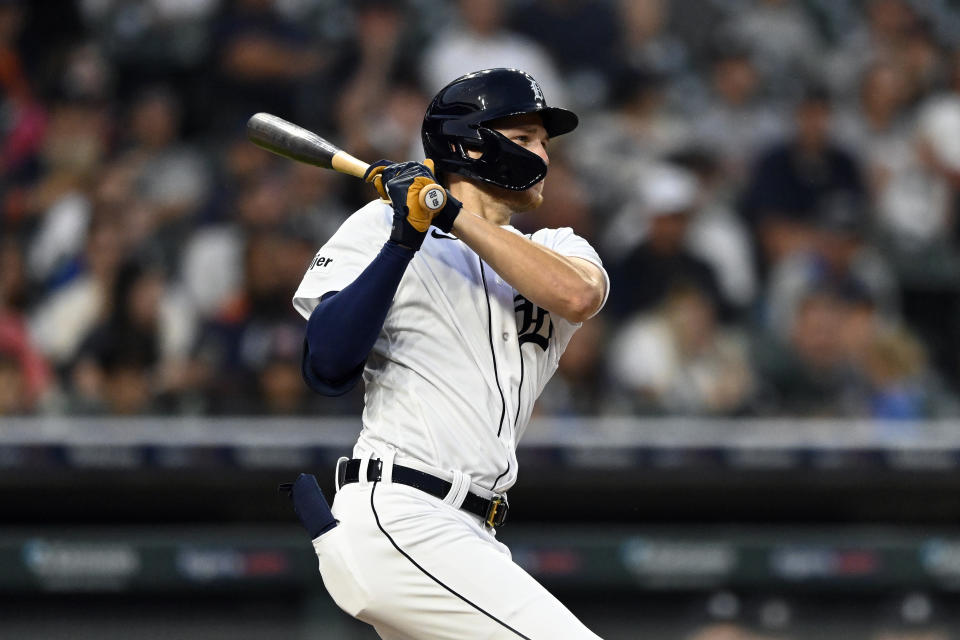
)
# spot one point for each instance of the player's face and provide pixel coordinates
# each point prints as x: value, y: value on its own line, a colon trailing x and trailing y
x: 526, y: 130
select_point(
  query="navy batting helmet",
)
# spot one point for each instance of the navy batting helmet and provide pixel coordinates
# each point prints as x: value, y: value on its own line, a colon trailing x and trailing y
x: 455, y: 123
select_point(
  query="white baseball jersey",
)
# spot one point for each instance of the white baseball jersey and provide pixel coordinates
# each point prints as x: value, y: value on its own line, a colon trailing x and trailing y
x: 462, y: 357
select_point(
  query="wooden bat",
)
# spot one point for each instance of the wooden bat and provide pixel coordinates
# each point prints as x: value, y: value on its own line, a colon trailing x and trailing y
x: 291, y: 141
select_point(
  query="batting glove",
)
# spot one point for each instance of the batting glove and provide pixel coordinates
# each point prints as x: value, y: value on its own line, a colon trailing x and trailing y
x: 374, y: 175
x: 411, y: 219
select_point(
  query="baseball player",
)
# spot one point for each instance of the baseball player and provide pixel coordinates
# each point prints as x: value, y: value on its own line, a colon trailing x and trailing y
x: 455, y: 321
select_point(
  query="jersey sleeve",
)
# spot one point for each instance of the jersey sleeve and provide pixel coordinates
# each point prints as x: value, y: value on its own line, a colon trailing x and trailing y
x: 565, y: 242
x: 345, y: 255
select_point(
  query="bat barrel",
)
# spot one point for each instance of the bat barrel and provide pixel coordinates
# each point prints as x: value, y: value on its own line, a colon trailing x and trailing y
x: 291, y: 141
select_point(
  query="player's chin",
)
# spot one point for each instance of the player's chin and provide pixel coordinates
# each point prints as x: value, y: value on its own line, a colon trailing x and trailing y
x: 526, y: 200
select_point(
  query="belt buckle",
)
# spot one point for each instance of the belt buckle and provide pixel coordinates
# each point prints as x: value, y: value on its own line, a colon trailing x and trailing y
x: 497, y: 511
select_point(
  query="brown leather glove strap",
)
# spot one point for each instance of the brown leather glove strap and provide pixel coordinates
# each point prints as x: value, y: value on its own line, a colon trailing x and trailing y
x: 374, y: 176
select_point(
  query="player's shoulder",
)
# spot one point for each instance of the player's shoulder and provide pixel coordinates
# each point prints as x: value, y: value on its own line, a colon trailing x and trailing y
x: 553, y: 238
x: 370, y: 218
x: 375, y: 211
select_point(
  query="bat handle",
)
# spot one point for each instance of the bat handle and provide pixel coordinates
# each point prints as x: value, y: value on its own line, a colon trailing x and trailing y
x: 346, y: 163
x: 433, y: 197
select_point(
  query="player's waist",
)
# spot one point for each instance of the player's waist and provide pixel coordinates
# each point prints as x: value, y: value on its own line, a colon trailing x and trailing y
x: 485, y: 470
x: 460, y: 493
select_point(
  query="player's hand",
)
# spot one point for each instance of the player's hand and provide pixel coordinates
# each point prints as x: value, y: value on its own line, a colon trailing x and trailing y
x: 374, y: 175
x: 411, y: 219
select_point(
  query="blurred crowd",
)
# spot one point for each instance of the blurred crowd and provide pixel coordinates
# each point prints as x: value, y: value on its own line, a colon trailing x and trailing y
x: 772, y: 185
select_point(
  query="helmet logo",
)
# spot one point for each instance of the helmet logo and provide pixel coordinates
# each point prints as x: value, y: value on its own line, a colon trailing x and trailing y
x: 537, y: 93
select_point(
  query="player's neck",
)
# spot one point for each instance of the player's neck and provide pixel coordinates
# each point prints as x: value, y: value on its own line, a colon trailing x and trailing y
x: 480, y: 201
x: 494, y: 203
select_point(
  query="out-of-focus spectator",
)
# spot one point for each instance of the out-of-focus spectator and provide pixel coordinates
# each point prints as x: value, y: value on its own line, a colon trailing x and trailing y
x: 881, y: 35
x: 839, y: 257
x: 736, y: 121
x: 25, y: 377
x: 677, y: 360
x: 579, y: 35
x: 877, y: 126
x: 782, y: 39
x: 810, y: 374
x: 480, y: 40
x: 395, y: 130
x: 24, y: 117
x: 280, y: 388
x: 922, y: 60
x: 793, y: 178
x: 647, y: 41
x: 212, y: 265
x: 236, y: 167
x: 615, y: 147
x: 139, y: 357
x: 717, y: 234
x: 914, y: 200
x: 381, y: 72
x: 580, y: 386
x: 256, y: 331
x: 13, y: 386
x: 264, y: 60
x: 918, y: 220
x: 649, y: 243
x: 171, y: 180
x: 316, y: 211
x: 87, y: 74
x: 150, y: 36
x: 896, y: 368
x: 939, y: 141
x: 58, y: 204
x: 63, y: 319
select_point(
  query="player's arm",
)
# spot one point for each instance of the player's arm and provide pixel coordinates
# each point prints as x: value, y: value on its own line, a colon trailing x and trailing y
x: 572, y: 288
x: 344, y: 326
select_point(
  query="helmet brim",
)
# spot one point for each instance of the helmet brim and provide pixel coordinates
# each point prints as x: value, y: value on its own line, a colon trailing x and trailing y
x: 558, y: 121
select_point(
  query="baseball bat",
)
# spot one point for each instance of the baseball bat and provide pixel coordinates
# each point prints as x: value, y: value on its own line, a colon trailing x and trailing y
x: 292, y: 141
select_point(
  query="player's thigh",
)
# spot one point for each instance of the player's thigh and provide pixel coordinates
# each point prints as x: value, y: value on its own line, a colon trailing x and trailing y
x: 448, y: 581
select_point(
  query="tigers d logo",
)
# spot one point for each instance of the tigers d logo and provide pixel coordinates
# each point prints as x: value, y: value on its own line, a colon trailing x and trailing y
x: 533, y: 323
x: 537, y: 93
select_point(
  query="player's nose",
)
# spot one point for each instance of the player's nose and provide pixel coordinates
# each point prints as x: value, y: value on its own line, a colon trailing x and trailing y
x: 541, y: 150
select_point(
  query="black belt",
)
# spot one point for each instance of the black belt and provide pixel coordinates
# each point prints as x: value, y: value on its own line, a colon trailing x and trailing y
x: 493, y: 512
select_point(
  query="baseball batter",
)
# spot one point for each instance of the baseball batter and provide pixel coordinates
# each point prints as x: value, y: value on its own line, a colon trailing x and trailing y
x: 455, y: 321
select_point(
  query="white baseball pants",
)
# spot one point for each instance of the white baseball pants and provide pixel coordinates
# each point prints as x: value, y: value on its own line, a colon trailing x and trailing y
x: 418, y: 568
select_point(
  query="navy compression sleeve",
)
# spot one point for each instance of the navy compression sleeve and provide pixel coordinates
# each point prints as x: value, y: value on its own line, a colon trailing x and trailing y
x: 343, y: 328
